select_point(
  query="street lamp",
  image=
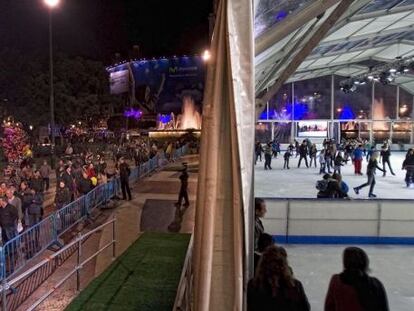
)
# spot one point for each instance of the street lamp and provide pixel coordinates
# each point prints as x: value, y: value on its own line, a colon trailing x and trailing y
x: 51, y: 4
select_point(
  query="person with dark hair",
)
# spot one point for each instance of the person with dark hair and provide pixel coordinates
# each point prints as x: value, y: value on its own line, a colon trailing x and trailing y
x: 338, y: 163
x: 408, y: 165
x: 259, y: 211
x: 303, y: 153
x: 329, y: 188
x: 258, y: 151
x: 274, y: 287
x: 286, y: 158
x: 265, y: 240
x: 313, y: 151
x: 385, y: 159
x: 268, y: 156
x: 8, y: 220
x: 371, y: 168
x: 354, y: 289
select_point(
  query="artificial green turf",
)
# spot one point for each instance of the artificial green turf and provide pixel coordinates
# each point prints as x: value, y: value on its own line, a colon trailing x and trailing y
x: 144, y: 278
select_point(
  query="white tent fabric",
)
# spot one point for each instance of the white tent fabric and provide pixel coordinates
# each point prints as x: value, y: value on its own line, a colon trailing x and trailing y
x: 225, y: 175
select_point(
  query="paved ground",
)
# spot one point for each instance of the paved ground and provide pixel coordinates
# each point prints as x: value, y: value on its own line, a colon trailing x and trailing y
x: 163, y: 185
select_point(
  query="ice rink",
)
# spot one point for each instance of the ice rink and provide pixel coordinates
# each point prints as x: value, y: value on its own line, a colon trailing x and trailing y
x: 313, y: 265
x: 300, y: 182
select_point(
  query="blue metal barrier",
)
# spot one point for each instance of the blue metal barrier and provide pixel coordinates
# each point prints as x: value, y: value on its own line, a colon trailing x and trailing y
x: 16, y: 253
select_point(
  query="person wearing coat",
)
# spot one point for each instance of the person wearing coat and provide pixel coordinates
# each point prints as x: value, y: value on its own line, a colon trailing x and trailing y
x: 62, y: 197
x: 274, y: 287
x: 354, y: 289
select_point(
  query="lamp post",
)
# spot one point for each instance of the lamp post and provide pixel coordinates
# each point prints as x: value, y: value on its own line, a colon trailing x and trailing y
x: 51, y: 4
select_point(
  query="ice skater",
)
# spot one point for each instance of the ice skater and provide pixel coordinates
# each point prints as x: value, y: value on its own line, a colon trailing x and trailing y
x: 303, y: 153
x: 371, y: 168
x: 312, y: 154
x: 268, y: 156
x: 357, y: 160
x: 338, y: 163
x: 385, y: 158
x: 408, y: 165
x: 322, y: 162
x: 258, y: 151
x: 286, y: 157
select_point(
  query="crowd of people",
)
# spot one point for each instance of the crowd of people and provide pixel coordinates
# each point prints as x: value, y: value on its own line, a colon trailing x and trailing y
x: 23, y: 190
x: 275, y: 287
x: 332, y: 158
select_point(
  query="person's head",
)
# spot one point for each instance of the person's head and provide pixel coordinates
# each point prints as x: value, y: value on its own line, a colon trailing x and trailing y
x: 3, y: 201
x: 90, y: 166
x: 44, y: 162
x: 68, y: 169
x: 372, y: 147
x: 121, y: 160
x: 355, y: 259
x: 273, y: 270
x: 265, y: 240
x: 3, y: 185
x: 260, y: 207
x: 37, y: 174
x: 61, y: 163
x: 326, y: 176
x: 61, y: 184
x: 23, y: 186
x: 9, y: 193
x: 337, y: 177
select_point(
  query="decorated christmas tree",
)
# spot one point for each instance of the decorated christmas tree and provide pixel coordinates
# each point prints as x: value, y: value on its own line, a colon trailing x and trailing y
x: 14, y: 142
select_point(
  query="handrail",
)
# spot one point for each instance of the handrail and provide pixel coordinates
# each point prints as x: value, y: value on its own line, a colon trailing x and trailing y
x: 184, y: 292
x: 77, y: 268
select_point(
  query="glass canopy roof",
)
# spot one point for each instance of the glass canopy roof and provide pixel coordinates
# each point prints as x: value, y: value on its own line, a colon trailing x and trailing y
x: 380, y: 30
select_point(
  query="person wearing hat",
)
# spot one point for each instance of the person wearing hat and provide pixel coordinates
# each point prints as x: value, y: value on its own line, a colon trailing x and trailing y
x: 183, y: 194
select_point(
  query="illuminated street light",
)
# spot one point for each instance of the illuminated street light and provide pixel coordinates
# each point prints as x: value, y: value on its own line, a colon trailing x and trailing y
x: 52, y: 3
x: 206, y: 55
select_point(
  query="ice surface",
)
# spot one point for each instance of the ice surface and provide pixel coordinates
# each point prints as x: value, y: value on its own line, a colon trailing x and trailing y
x: 300, y: 182
x: 313, y: 265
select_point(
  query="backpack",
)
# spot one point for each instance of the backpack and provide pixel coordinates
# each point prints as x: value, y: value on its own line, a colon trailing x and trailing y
x: 322, y: 185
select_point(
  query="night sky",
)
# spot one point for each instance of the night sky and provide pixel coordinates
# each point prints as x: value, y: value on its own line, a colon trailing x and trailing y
x: 97, y: 29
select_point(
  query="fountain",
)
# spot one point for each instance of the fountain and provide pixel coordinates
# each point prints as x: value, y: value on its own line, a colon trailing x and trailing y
x: 189, y: 118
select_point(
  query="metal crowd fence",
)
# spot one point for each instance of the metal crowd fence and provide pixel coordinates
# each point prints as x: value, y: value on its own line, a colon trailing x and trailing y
x: 17, y: 252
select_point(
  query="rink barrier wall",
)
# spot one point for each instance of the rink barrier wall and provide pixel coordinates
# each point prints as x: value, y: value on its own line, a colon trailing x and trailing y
x: 318, y: 221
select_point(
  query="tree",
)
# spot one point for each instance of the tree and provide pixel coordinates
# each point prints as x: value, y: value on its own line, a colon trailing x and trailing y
x: 81, y: 89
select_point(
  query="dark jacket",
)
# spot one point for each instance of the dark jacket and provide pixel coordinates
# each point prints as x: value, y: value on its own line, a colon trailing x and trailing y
x: 8, y: 216
x: 258, y: 230
x: 361, y: 293
x: 68, y: 180
x: 62, y: 197
x: 36, y: 207
x: 303, y: 150
x: 333, y: 190
x: 84, y: 185
x: 27, y: 198
x: 184, y: 180
x: 372, y: 167
x: 36, y: 184
x: 124, y: 171
x: 289, y: 298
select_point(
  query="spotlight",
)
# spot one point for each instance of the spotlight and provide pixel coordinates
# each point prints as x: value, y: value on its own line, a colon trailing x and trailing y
x: 370, y: 77
x: 393, y: 70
